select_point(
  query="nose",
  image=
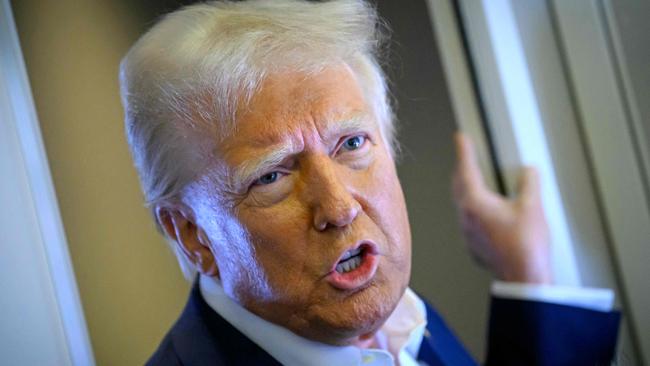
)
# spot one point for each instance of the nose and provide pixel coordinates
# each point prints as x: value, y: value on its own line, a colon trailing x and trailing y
x: 333, y: 203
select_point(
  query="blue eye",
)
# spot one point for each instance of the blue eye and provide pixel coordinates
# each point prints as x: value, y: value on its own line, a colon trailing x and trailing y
x: 354, y: 142
x: 268, y: 178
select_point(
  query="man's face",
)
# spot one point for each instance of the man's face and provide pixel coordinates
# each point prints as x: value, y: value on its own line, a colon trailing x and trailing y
x: 313, y: 183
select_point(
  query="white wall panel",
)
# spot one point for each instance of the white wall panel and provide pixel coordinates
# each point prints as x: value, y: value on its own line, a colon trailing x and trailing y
x: 40, y: 313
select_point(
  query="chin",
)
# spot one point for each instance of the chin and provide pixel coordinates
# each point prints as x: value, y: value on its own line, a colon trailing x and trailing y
x: 359, y: 314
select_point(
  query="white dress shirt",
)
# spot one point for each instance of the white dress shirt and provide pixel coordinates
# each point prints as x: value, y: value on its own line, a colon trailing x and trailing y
x: 399, y: 338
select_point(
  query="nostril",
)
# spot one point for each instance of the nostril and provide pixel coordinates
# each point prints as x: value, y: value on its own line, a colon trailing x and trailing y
x: 320, y: 225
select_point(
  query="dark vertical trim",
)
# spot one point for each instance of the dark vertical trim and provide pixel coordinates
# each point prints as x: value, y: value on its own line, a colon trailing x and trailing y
x: 494, y: 159
x: 636, y: 146
x: 617, y: 65
x: 598, y: 189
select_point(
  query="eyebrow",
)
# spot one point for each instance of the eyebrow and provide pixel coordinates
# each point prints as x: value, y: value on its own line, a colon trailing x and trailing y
x: 251, y: 169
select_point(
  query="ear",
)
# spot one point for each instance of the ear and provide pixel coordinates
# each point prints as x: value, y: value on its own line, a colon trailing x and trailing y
x: 178, y: 224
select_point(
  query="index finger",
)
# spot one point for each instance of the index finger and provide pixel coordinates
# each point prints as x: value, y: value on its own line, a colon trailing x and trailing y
x: 468, y: 172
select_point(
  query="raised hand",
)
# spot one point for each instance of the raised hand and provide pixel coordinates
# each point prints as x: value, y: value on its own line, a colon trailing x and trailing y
x: 510, y: 237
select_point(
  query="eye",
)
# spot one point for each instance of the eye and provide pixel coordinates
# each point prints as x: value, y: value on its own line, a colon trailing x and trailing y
x: 268, y: 178
x: 353, y: 143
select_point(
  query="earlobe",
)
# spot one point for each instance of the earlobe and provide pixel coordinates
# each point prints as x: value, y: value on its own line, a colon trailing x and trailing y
x: 208, y: 264
x: 191, y: 239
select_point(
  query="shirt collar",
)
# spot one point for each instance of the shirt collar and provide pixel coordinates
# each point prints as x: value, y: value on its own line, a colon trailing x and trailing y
x: 400, y: 336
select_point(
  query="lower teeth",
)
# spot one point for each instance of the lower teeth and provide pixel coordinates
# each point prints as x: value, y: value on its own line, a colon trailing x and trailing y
x: 349, y: 265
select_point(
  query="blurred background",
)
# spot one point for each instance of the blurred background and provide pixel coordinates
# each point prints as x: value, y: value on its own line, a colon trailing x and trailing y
x: 130, y: 287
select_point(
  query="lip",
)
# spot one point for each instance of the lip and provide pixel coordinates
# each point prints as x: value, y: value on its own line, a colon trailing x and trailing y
x: 359, y: 276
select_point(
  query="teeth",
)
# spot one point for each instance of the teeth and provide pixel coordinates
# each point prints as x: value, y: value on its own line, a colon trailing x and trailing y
x: 350, y: 253
x: 348, y: 265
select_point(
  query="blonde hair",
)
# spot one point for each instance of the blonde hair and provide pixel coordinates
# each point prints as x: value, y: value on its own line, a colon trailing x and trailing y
x: 186, y: 77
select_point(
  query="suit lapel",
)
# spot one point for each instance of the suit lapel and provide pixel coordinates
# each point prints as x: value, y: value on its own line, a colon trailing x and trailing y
x: 203, y: 337
x: 440, y: 347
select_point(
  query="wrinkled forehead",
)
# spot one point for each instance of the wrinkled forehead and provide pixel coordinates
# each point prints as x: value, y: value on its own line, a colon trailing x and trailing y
x: 288, y: 102
x: 290, y: 113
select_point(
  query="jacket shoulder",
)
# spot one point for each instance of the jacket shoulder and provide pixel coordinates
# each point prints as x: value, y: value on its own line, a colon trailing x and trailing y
x: 200, y: 336
x: 165, y: 355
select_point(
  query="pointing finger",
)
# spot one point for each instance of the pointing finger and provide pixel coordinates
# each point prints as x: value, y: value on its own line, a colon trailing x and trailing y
x: 529, y: 185
x: 468, y: 173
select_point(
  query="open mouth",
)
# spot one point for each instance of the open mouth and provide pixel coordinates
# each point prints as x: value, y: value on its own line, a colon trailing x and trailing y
x: 355, y: 268
x: 350, y: 261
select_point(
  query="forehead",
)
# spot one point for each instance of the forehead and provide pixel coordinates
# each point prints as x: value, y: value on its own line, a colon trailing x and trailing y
x: 289, y: 103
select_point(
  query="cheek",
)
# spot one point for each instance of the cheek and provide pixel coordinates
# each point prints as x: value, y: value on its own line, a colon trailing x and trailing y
x: 385, y: 202
x: 279, y: 228
x: 239, y: 270
x: 279, y: 237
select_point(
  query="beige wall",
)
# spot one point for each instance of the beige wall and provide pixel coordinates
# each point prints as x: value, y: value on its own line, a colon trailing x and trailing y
x: 130, y: 285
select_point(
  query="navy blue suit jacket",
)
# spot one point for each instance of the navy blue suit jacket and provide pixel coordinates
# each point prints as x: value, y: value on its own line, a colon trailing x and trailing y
x: 520, y: 333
